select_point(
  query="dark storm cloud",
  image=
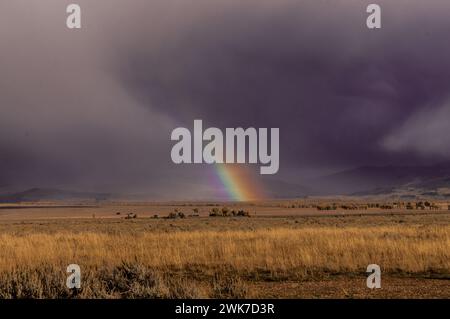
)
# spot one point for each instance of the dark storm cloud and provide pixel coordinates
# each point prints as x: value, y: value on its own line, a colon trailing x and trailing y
x: 334, y: 87
x: 66, y: 120
x: 94, y: 108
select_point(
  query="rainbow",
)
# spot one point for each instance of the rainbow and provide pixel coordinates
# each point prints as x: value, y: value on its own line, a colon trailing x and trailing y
x: 239, y: 183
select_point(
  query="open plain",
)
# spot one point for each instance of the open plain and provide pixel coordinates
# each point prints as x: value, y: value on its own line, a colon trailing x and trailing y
x: 277, y: 249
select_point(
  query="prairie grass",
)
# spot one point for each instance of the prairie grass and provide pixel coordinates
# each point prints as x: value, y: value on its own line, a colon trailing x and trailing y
x: 406, y: 248
x: 185, y: 264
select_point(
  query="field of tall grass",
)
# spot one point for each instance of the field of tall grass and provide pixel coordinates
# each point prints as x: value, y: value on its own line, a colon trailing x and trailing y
x: 210, y: 263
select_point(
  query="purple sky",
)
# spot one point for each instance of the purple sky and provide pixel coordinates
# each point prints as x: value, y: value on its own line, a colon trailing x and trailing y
x: 93, y: 109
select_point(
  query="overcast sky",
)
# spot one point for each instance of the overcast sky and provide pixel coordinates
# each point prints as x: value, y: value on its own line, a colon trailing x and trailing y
x: 93, y: 108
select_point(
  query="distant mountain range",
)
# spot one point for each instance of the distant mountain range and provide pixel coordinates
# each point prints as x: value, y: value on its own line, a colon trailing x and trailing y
x: 433, y: 180
x: 375, y: 180
x: 48, y: 194
x: 278, y: 189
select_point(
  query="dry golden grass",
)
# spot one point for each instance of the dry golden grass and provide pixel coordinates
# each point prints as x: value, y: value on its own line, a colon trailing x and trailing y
x: 292, y: 256
x: 174, y: 264
x: 406, y: 248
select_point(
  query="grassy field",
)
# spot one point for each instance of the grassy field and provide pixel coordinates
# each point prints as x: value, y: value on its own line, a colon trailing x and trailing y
x: 285, y: 255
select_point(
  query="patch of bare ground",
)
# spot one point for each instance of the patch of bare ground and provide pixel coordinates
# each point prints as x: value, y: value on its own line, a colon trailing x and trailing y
x: 351, y: 287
